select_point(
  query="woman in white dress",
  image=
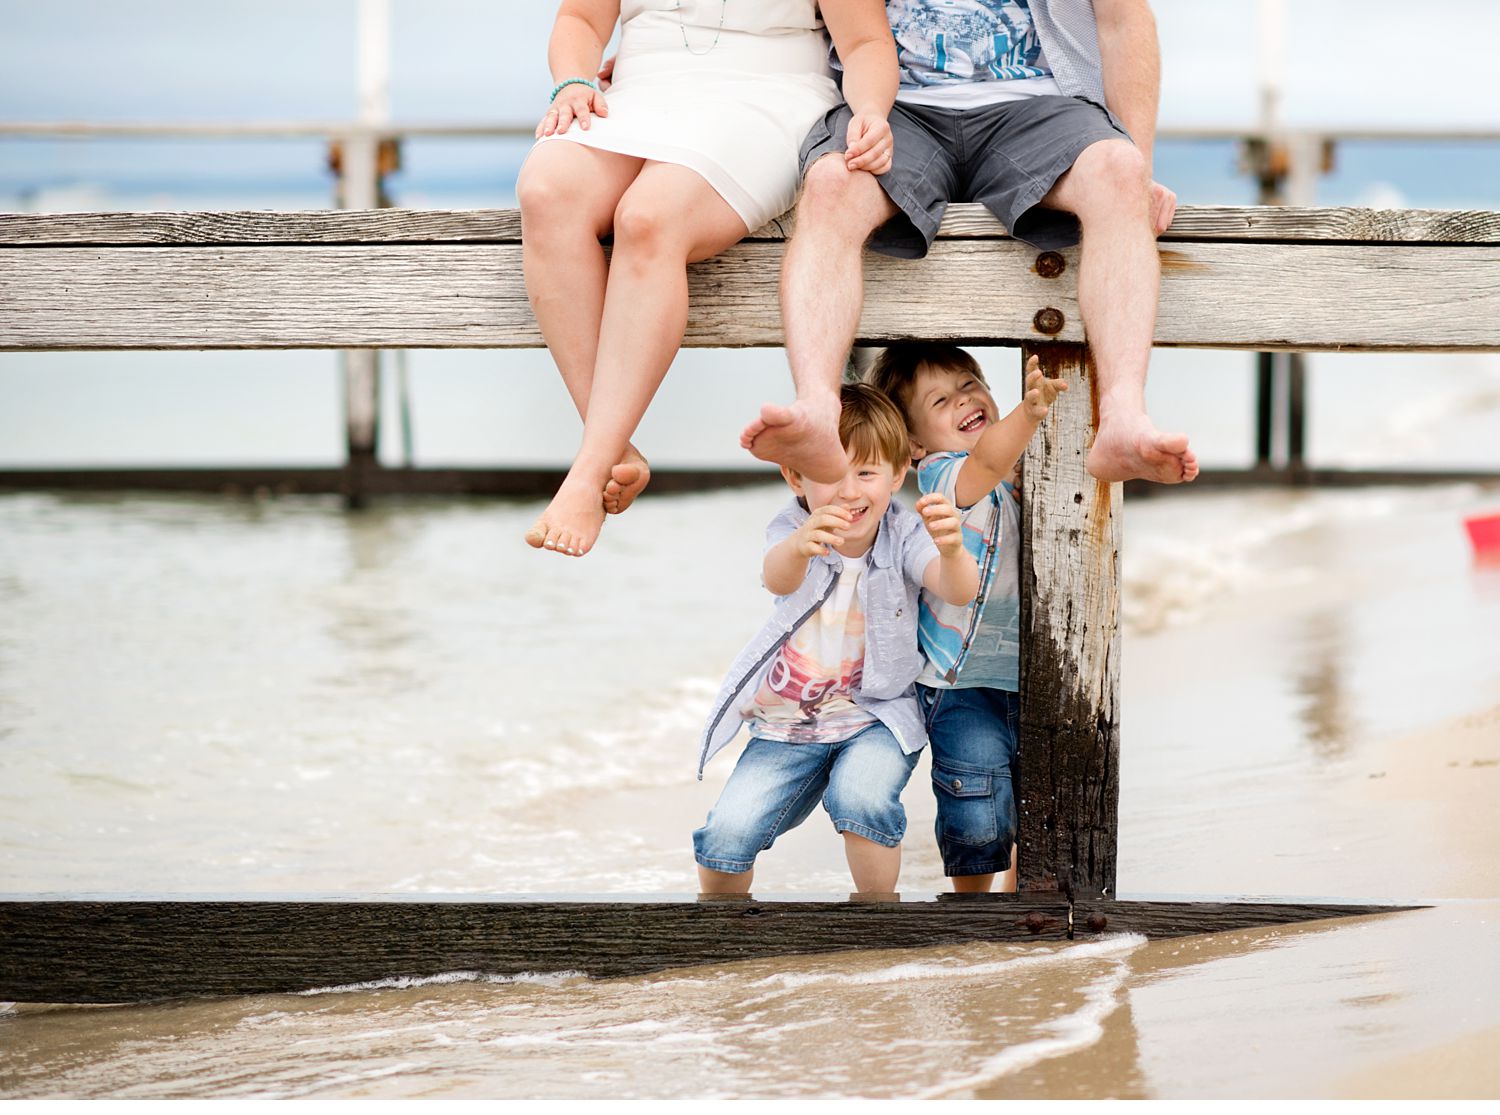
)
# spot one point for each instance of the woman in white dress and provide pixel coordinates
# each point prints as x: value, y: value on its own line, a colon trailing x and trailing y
x: 694, y: 145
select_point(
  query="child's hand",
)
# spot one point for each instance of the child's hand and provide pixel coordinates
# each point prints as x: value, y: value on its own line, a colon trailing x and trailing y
x: 824, y: 527
x: 1040, y: 392
x: 942, y: 522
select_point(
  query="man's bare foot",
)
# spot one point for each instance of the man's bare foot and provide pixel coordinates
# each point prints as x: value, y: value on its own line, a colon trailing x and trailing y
x: 804, y: 437
x: 627, y: 480
x: 1139, y: 451
x: 571, y: 523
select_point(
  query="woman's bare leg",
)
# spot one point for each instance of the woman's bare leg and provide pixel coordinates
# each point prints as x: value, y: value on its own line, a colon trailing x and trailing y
x: 568, y: 195
x: 669, y: 217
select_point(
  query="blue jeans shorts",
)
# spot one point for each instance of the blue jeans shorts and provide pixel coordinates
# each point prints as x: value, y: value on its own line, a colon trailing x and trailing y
x: 775, y: 786
x: 972, y: 735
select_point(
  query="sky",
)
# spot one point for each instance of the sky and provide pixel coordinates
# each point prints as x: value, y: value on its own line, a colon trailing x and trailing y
x: 1348, y: 62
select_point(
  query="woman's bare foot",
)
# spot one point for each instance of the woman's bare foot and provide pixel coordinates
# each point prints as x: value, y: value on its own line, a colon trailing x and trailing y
x: 1137, y: 450
x: 571, y: 523
x: 627, y: 480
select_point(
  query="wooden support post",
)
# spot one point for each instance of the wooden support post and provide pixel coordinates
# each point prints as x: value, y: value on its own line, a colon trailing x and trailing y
x: 1296, y: 414
x: 1068, y: 788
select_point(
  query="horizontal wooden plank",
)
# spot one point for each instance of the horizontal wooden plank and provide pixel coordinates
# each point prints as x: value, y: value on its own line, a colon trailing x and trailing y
x: 124, y: 951
x: 1227, y: 295
x: 1158, y: 919
x: 503, y: 226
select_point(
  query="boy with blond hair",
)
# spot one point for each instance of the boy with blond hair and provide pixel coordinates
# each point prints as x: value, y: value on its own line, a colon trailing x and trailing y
x: 827, y: 687
x: 968, y: 452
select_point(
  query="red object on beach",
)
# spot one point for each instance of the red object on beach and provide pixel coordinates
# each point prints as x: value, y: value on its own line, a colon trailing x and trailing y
x: 1484, y: 532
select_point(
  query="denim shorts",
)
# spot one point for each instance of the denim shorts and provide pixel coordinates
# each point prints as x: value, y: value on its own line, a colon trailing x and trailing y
x: 775, y: 786
x: 972, y: 736
x: 1006, y: 156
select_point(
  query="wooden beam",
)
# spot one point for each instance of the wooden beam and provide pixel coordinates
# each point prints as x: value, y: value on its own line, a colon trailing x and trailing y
x: 1159, y: 919
x: 115, y: 951
x: 1069, y: 750
x: 1225, y: 295
x: 120, y: 949
x: 1261, y: 223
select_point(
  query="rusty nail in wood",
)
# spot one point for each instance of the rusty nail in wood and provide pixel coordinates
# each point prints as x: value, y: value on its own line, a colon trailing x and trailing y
x: 1034, y: 922
x: 1097, y: 922
x: 1049, y: 265
x: 1048, y: 321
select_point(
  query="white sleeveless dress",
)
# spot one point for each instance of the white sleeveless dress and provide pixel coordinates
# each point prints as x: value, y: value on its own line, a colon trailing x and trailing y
x: 733, y: 103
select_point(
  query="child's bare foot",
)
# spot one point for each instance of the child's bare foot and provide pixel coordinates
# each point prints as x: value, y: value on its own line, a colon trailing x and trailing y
x: 804, y: 437
x: 571, y: 523
x: 1137, y: 450
x: 627, y: 480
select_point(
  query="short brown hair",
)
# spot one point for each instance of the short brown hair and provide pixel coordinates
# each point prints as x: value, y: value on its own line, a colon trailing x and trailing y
x: 871, y: 427
x: 896, y: 368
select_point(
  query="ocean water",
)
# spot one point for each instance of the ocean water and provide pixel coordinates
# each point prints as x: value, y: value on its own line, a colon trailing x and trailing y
x: 213, y: 695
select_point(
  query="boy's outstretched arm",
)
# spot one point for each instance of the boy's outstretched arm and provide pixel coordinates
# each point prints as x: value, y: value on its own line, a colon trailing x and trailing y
x: 785, y: 566
x: 952, y: 575
x: 994, y: 456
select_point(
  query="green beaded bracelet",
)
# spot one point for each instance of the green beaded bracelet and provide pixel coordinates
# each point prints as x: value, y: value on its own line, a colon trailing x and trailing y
x: 561, y: 85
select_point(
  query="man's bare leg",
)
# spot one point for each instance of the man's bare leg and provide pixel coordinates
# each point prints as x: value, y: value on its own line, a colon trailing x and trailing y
x: 1119, y: 278
x: 874, y: 867
x: 822, y: 290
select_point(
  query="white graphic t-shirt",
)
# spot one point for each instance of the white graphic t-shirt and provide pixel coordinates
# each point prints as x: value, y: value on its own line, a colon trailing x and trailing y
x: 807, y: 696
x: 964, y: 53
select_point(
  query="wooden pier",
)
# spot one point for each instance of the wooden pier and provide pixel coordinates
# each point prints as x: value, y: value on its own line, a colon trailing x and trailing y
x: 1259, y: 279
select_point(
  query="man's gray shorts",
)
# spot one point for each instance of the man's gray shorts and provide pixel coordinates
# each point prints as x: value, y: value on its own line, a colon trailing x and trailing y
x: 1005, y: 156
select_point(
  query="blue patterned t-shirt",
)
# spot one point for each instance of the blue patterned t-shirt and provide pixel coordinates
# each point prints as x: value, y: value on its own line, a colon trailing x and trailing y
x: 955, y: 42
x: 969, y: 646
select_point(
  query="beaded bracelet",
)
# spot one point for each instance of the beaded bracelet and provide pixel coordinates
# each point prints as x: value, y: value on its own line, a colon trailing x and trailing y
x: 561, y: 85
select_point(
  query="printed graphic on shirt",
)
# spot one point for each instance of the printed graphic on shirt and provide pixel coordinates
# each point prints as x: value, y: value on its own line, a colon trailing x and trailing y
x: 941, y: 42
x: 960, y: 651
x: 807, y: 695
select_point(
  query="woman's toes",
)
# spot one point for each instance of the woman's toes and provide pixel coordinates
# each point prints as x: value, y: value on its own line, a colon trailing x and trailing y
x: 536, y: 537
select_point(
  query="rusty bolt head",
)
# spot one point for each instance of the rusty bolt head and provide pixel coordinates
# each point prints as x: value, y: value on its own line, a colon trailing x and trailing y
x: 1049, y: 265
x: 1034, y: 922
x: 1097, y: 922
x: 1048, y: 321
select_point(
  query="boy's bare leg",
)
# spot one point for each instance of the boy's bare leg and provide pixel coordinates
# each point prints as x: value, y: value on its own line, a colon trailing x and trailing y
x: 669, y: 217
x: 568, y: 197
x: 973, y: 884
x: 722, y: 882
x: 1119, y: 277
x: 873, y: 866
x: 822, y: 291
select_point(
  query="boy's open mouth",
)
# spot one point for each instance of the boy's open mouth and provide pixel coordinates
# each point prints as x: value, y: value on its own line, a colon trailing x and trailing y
x: 972, y: 423
x: 858, y: 513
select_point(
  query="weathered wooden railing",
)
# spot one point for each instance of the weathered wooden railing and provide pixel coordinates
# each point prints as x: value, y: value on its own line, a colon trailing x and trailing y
x: 1258, y: 279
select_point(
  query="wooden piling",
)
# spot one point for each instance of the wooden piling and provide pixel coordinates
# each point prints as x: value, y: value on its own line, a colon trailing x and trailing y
x: 1069, y: 748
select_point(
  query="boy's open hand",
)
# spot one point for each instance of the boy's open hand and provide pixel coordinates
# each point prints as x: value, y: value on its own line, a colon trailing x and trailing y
x: 1040, y: 392
x: 941, y: 519
x: 824, y: 527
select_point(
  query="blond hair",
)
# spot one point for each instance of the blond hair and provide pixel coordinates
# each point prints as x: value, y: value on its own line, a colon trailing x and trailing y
x: 871, y: 427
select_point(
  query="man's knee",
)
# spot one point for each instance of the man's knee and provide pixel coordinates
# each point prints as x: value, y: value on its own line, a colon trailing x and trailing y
x: 832, y: 194
x: 1110, y: 174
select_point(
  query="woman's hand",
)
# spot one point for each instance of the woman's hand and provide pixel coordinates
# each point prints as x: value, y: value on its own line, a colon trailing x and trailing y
x: 576, y: 102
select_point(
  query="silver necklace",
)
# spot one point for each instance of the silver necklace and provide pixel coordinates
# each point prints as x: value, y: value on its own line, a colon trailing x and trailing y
x: 723, y: 7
